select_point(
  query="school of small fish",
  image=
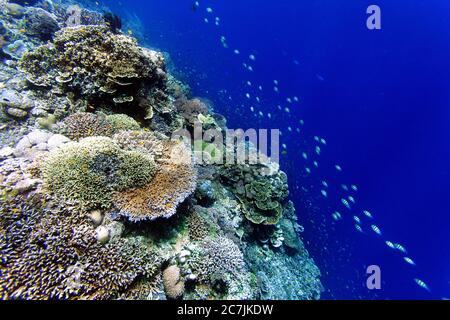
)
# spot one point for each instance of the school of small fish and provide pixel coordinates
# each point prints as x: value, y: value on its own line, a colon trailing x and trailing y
x: 363, y: 221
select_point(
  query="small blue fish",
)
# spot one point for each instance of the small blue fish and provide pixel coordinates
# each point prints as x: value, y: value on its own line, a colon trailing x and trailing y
x: 368, y: 214
x: 324, y: 193
x: 390, y: 244
x: 318, y: 151
x: 422, y: 284
x: 409, y: 261
x: 351, y: 199
x: 357, y: 219
x: 337, y: 216
x: 354, y: 188
x: 344, y: 187
x: 346, y: 204
x: 376, y: 230
x: 338, y: 168
x: 400, y: 248
x: 358, y: 228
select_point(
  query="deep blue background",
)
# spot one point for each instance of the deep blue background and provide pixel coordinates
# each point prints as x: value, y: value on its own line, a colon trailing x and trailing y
x: 380, y: 98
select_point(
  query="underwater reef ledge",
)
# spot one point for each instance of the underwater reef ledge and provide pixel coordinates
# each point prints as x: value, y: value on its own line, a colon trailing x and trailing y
x: 98, y: 201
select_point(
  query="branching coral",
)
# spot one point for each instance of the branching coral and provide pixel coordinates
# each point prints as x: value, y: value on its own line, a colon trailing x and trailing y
x: 51, y: 253
x: 88, y: 172
x: 216, y: 260
x: 175, y: 180
x: 261, y: 194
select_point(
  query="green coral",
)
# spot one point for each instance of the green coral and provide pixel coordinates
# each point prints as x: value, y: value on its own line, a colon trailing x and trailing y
x: 121, y: 122
x: 88, y: 172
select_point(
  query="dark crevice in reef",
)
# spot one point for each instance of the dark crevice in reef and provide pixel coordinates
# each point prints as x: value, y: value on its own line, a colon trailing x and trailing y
x: 96, y: 200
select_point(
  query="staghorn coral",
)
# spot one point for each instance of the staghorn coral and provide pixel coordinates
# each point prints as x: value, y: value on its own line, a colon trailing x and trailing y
x: 173, y: 282
x: 93, y: 62
x: 174, y: 181
x: 83, y: 125
x: 51, y: 253
x: 88, y: 172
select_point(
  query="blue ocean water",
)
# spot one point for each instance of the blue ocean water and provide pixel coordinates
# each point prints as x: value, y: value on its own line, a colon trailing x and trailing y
x: 379, y: 98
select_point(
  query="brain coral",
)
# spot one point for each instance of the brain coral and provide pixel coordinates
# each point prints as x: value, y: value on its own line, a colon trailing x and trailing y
x: 174, y: 181
x: 173, y: 282
x: 89, y: 171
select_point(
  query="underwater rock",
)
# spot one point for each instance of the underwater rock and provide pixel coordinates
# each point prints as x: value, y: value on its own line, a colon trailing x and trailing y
x: 6, y: 152
x: 16, y: 49
x: 57, y: 141
x: 15, y: 10
x: 40, y: 23
x: 17, y: 113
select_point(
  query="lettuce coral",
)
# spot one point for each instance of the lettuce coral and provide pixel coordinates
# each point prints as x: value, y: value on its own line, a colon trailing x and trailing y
x: 88, y: 172
x: 93, y: 62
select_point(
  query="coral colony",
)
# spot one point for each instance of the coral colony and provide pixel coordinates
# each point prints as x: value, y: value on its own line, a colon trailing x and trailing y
x: 100, y: 201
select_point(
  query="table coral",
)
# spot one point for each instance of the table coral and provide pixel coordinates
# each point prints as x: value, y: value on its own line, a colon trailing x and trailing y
x: 88, y: 172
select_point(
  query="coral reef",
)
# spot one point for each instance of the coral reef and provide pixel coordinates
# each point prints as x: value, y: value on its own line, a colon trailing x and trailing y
x: 99, y: 200
x: 261, y: 191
